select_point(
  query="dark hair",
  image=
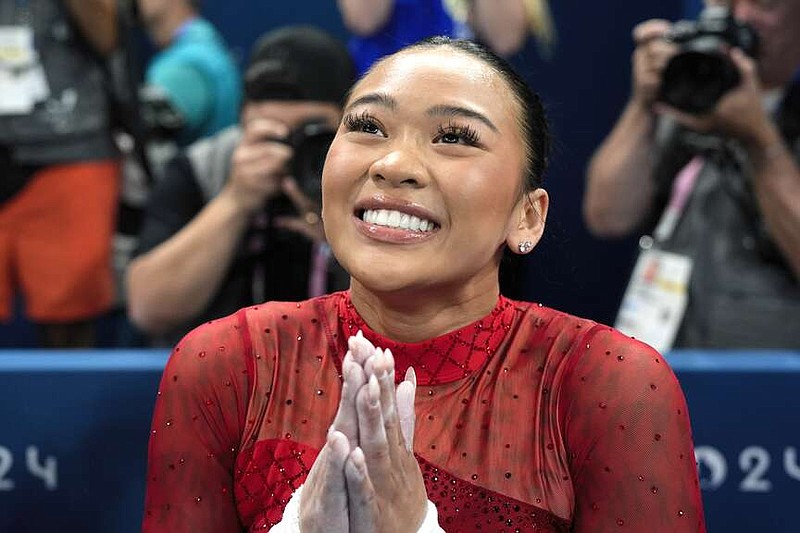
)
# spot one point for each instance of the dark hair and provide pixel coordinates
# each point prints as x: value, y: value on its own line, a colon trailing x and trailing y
x: 532, y: 120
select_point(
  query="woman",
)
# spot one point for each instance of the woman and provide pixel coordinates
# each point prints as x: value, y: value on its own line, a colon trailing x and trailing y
x: 526, y: 418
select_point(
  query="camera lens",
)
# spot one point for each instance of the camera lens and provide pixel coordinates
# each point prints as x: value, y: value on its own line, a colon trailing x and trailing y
x: 694, y: 81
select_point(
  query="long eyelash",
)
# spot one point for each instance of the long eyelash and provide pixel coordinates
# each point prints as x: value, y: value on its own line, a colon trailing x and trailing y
x: 355, y: 122
x: 466, y: 132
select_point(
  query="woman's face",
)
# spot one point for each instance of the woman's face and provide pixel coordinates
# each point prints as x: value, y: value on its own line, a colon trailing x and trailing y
x: 421, y: 187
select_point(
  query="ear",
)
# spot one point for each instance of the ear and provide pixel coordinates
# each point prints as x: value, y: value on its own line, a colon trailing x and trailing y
x: 528, y: 220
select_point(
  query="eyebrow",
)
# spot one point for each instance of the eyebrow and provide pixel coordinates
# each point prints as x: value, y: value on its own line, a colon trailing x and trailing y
x: 458, y: 111
x: 381, y: 99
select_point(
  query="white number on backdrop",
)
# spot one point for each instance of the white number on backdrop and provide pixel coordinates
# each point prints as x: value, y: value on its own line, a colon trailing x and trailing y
x: 712, y: 467
x: 754, y: 461
x: 6, y: 460
x: 790, y: 463
x: 47, y: 471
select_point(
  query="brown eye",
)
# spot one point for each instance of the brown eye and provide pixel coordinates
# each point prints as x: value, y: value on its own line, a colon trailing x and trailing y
x: 363, y: 123
x: 457, y: 134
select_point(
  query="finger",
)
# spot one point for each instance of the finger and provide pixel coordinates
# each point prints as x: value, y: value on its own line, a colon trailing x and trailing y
x: 371, y: 431
x: 259, y: 129
x: 313, y: 233
x: 406, y: 393
x: 361, y: 348
x: 332, y: 496
x: 384, y: 371
x: 650, y: 29
x: 301, y: 202
x: 346, y: 419
x: 743, y: 62
x: 369, y: 365
x: 265, y: 159
x: 360, y: 493
x: 659, y: 54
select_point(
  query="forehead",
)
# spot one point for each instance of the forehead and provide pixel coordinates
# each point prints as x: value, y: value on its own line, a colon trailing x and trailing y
x: 428, y: 76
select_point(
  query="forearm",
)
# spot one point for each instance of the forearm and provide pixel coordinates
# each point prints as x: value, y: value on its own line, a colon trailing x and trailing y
x: 620, y: 186
x: 501, y: 24
x: 777, y: 189
x: 97, y: 22
x: 175, y: 281
x: 365, y: 17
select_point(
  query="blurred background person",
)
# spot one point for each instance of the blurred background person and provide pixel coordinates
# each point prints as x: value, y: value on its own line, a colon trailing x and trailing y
x: 235, y: 219
x: 704, y: 159
x: 59, y: 168
x: 382, y: 27
x: 193, y: 66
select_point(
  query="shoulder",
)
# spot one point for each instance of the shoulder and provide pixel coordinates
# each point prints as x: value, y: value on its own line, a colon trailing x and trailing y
x: 582, y: 348
x: 315, y: 316
x: 209, y: 352
x: 221, y: 143
x: 288, y: 313
x: 605, y: 365
x: 202, y: 45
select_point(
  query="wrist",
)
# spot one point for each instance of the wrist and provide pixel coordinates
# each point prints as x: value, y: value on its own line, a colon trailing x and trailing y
x: 240, y: 208
x: 239, y: 202
x: 764, y: 144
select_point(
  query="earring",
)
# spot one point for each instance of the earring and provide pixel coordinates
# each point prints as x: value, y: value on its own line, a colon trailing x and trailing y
x: 525, y: 247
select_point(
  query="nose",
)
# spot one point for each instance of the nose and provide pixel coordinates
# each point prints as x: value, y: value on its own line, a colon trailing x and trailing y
x: 402, y: 166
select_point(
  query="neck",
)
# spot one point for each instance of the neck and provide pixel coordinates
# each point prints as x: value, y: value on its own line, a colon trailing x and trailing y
x: 417, y: 315
x: 164, y: 27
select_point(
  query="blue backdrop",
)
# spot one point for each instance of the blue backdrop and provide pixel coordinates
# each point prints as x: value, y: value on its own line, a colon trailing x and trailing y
x: 74, y: 429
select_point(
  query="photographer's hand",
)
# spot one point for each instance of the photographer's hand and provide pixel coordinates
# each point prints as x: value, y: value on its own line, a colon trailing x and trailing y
x: 652, y: 54
x: 258, y: 164
x: 309, y: 224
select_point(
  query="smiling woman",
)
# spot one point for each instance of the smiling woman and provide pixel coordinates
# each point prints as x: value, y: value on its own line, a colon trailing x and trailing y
x: 422, y: 383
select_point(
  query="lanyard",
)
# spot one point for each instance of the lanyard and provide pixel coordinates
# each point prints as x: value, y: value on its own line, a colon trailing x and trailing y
x: 682, y: 188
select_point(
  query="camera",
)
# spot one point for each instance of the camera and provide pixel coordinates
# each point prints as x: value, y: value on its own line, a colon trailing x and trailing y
x: 161, y: 119
x: 310, y: 142
x: 701, y: 73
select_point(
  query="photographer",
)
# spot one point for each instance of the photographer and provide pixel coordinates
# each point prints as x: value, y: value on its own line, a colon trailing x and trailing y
x: 234, y: 221
x: 716, y: 186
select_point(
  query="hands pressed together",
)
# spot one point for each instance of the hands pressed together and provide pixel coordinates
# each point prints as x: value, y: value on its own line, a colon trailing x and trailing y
x: 366, y: 477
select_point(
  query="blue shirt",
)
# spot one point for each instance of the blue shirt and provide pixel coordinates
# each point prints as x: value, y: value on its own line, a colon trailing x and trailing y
x: 201, y: 78
x: 410, y: 21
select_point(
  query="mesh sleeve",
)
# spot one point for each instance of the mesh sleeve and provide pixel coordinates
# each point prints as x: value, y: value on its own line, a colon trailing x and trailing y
x: 629, y: 441
x: 197, y: 425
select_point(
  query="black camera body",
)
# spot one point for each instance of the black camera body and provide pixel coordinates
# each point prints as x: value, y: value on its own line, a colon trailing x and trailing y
x: 161, y: 119
x: 310, y: 142
x: 702, y: 72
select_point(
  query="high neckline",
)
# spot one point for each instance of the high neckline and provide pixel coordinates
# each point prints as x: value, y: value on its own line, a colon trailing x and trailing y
x: 443, y: 359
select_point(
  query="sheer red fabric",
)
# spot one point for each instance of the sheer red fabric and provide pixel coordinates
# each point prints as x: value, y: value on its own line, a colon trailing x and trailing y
x: 527, y: 420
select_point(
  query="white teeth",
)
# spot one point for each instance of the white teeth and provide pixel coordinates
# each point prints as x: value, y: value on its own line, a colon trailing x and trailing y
x: 396, y: 219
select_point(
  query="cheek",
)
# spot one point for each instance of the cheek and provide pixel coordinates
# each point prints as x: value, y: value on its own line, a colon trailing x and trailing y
x: 485, y: 192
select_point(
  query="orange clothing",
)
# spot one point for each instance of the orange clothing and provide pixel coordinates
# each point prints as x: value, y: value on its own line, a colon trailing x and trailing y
x: 55, y: 242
